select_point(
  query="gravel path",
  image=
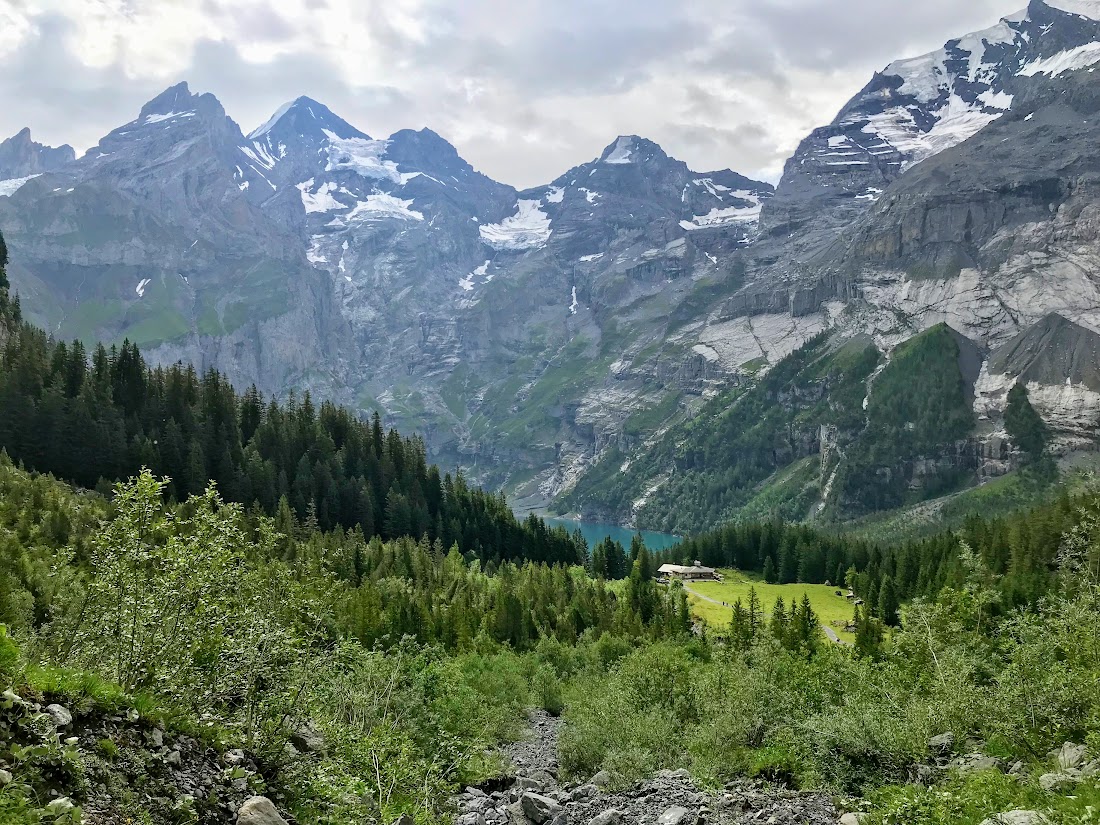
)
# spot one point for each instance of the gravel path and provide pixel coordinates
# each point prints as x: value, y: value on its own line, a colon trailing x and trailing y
x: 536, y: 796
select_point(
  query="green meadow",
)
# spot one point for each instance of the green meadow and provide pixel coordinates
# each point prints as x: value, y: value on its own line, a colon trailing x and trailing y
x: 832, y: 609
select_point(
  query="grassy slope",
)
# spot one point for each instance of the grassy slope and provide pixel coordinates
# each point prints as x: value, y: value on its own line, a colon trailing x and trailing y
x: 831, y: 608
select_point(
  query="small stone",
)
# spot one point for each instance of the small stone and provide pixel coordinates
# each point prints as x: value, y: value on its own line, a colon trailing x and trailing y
x: 1071, y: 755
x: 5, y: 777
x: 526, y: 783
x: 259, y: 810
x: 60, y: 715
x: 539, y: 808
x: 471, y: 819
x: 586, y: 791
x: 851, y: 819
x: 404, y: 819
x: 308, y: 739
x: 234, y: 757
x: 601, y: 780
x: 677, y: 815
x: 941, y: 745
x: 174, y: 758
x: 156, y: 737
x: 609, y: 817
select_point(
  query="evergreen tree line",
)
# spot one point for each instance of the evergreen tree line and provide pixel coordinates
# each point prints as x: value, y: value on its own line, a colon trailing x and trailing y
x: 93, y: 418
x: 1020, y: 550
x: 381, y: 592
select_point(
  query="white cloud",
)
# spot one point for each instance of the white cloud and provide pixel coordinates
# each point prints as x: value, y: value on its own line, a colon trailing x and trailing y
x: 524, y: 88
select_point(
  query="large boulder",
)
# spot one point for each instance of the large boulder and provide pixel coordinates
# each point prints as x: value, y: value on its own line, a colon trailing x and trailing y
x: 538, y: 808
x: 1071, y: 756
x: 259, y: 810
x: 1055, y: 782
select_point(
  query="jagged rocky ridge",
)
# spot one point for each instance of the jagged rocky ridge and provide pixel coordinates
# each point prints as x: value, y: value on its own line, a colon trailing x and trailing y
x: 527, y: 334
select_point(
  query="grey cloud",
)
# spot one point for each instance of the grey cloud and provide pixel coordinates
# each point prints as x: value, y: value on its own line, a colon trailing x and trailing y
x: 529, y: 88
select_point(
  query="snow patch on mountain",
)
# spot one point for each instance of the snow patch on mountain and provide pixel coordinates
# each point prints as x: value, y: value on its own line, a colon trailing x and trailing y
x: 258, y: 153
x: 141, y: 286
x: 379, y: 207
x: 160, y: 118
x: 1070, y: 60
x: 956, y: 121
x: 1083, y: 8
x: 266, y: 127
x: 733, y: 214
x: 529, y: 228
x: 467, y: 283
x: 555, y: 194
x: 12, y: 185
x: 365, y: 157
x: 321, y: 200
x: 622, y: 151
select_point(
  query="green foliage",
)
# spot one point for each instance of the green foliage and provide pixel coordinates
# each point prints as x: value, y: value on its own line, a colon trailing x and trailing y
x: 107, y: 416
x: 918, y: 407
x: 717, y: 459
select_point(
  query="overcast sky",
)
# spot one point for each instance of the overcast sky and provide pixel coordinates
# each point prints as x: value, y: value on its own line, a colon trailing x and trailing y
x: 524, y: 88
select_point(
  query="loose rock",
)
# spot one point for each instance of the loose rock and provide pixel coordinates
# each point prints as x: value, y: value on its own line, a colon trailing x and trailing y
x: 1017, y: 818
x: 1055, y: 782
x: 941, y: 745
x: 60, y: 715
x: 539, y: 808
x: 677, y: 815
x: 259, y: 810
x: 610, y: 817
x: 1071, y: 756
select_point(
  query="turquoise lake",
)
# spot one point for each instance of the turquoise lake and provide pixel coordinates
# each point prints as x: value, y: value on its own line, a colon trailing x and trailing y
x: 595, y: 533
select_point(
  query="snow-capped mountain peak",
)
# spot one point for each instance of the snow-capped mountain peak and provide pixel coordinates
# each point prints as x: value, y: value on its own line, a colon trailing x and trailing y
x: 920, y: 106
x: 305, y: 117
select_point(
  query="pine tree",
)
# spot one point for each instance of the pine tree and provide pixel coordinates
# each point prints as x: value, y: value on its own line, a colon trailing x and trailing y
x: 888, y: 601
x: 769, y: 571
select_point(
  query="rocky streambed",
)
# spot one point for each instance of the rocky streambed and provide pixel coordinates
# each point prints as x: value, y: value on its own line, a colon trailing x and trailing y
x: 534, y: 794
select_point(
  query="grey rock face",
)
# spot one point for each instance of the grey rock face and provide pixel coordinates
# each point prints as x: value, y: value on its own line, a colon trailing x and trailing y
x: 259, y: 810
x: 20, y: 156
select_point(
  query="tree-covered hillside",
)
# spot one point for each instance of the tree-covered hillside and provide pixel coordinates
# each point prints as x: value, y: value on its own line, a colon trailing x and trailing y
x: 833, y: 431
x: 94, y: 418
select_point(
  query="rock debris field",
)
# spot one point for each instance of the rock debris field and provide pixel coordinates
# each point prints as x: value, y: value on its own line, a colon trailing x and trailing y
x: 536, y: 796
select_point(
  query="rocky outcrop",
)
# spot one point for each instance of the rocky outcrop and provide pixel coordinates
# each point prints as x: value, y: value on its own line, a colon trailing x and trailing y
x: 22, y: 157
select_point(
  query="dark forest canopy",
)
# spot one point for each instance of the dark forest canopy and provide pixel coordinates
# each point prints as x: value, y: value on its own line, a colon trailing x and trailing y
x: 103, y: 416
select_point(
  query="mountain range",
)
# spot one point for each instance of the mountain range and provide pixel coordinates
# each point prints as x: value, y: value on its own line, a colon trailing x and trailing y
x: 580, y: 341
